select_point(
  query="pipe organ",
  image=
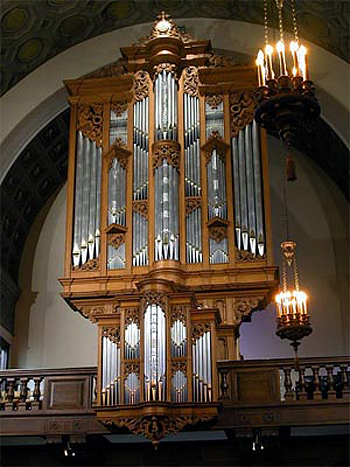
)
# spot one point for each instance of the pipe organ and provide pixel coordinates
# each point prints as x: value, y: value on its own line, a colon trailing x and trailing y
x: 168, y: 239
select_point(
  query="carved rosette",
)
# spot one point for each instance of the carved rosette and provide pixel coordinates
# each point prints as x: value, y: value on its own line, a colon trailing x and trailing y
x: 169, y: 150
x: 198, y: 330
x: 178, y: 366
x: 244, y: 307
x: 191, y: 81
x: 90, y: 121
x: 131, y: 367
x: 116, y: 239
x: 179, y: 312
x: 141, y: 207
x: 214, y: 100
x: 119, y: 107
x: 192, y: 203
x: 132, y: 315
x: 242, y: 106
x: 154, y: 298
x: 112, y: 333
x: 141, y: 85
x: 90, y: 265
x: 244, y: 255
x: 169, y: 67
x: 155, y: 427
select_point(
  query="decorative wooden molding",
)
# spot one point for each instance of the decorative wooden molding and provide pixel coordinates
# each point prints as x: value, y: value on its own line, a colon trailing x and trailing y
x: 141, y: 85
x: 244, y: 307
x: 154, y: 298
x: 132, y: 315
x: 244, y: 255
x: 90, y: 121
x: 141, y: 207
x: 118, y: 151
x: 119, y: 107
x: 166, y: 149
x: 242, y: 106
x: 198, y: 330
x: 90, y: 265
x: 131, y: 367
x: 155, y: 427
x: 191, y: 81
x: 113, y: 334
x: 215, y: 141
x: 108, y: 71
x: 116, y: 240
x: 219, y: 61
x: 169, y: 67
x: 214, y: 100
x: 179, y: 312
x: 192, y: 203
x: 95, y: 312
x: 178, y: 366
x: 217, y: 229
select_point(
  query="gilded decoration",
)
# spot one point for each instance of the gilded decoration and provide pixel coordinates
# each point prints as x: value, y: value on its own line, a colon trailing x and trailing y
x: 242, y: 106
x: 116, y: 240
x: 155, y: 427
x: 90, y: 265
x: 178, y: 366
x: 154, y: 298
x: 198, y: 330
x: 131, y: 367
x: 179, y: 312
x: 169, y: 150
x: 90, y: 121
x: 192, y: 203
x: 191, y: 81
x: 132, y: 315
x: 141, y: 207
x: 141, y: 85
x: 119, y: 107
x: 244, y: 255
x: 214, y: 100
x: 112, y: 333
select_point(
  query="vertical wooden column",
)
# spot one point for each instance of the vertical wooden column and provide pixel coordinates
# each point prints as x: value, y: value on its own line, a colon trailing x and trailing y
x: 229, y: 182
x: 71, y: 184
x: 205, y: 232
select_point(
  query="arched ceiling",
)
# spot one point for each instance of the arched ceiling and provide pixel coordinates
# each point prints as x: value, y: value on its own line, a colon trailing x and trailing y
x: 32, y: 32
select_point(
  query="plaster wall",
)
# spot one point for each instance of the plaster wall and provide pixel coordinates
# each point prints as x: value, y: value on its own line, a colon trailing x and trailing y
x: 49, y: 334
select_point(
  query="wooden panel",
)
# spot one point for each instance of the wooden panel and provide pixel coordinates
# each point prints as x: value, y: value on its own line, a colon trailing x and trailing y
x: 256, y: 386
x: 67, y: 394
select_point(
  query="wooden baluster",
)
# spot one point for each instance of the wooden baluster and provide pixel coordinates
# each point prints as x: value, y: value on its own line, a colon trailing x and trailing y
x: 331, y: 393
x: 36, y: 393
x: 345, y: 378
x: 10, y: 393
x: 302, y: 385
x: 23, y: 394
x: 317, y: 380
x: 289, y: 395
x: 224, y: 385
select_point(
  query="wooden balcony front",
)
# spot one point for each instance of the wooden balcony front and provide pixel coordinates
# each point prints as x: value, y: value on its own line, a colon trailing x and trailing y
x: 255, y: 394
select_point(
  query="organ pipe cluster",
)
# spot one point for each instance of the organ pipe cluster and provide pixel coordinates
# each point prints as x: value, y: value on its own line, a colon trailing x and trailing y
x: 86, y: 236
x: 111, y: 359
x: 201, y: 368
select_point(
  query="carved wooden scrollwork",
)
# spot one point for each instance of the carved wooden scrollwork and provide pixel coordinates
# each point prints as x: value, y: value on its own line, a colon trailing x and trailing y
x: 132, y: 315
x: 242, y: 106
x: 179, y: 312
x: 214, y: 100
x: 178, y: 366
x: 191, y: 81
x: 90, y: 265
x: 118, y: 151
x: 154, y: 298
x: 244, y: 255
x: 131, y: 367
x: 245, y: 306
x: 198, y: 330
x: 215, y: 141
x: 155, y: 427
x: 116, y: 239
x: 169, y: 150
x: 218, y: 232
x: 141, y: 85
x: 112, y: 333
x: 119, y: 107
x: 169, y: 67
x: 218, y: 61
x: 192, y: 203
x: 90, y: 121
x: 141, y: 206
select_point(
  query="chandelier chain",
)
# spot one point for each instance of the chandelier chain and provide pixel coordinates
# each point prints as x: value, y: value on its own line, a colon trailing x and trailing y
x: 279, y: 4
x: 295, y: 25
x: 266, y: 27
x: 296, y: 274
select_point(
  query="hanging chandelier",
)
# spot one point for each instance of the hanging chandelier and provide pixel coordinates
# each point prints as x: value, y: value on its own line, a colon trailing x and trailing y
x: 286, y: 96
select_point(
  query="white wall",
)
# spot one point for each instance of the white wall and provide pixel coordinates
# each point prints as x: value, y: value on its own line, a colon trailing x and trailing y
x: 49, y: 334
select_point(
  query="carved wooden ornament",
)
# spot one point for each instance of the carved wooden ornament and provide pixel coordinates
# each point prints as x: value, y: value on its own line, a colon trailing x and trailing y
x: 192, y: 203
x: 198, y: 330
x: 191, y: 81
x: 242, y: 108
x: 90, y: 121
x: 119, y: 107
x: 141, y: 207
x: 214, y: 100
x: 169, y: 150
x: 154, y: 298
x: 141, y: 85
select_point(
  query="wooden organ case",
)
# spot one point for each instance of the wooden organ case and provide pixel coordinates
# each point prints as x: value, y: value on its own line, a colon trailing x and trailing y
x: 168, y: 238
